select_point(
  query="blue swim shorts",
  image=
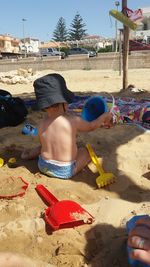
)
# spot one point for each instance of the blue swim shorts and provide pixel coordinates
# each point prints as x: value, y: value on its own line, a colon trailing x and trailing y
x: 53, y: 168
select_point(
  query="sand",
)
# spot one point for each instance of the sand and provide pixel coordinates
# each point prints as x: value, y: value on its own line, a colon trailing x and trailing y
x: 124, y: 150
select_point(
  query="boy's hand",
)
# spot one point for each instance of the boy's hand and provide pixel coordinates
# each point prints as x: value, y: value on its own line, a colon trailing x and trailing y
x: 107, y: 119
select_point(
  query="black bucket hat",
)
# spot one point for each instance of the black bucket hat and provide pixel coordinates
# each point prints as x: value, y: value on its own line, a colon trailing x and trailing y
x: 51, y: 89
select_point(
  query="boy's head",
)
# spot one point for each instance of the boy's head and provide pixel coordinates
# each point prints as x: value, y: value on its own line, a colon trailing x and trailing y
x: 51, y: 89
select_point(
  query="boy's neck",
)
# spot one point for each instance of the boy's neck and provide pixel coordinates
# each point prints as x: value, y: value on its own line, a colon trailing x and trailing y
x: 55, y: 112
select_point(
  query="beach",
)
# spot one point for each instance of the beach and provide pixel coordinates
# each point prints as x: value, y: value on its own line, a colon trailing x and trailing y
x: 124, y: 151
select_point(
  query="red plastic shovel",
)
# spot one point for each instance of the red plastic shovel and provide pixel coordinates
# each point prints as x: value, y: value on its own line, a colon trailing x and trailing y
x: 64, y: 213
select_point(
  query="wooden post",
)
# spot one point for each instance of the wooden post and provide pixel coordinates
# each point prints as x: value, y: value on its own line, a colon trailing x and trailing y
x: 120, y: 51
x: 125, y: 50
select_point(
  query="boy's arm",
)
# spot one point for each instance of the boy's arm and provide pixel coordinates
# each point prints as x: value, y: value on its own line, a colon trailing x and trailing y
x: 32, y: 153
x: 85, y: 126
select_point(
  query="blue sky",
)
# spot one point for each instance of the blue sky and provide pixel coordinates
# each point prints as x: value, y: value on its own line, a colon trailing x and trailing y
x: 42, y: 16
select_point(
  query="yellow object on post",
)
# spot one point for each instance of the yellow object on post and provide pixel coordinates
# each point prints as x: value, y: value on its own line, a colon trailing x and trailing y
x: 105, y: 178
x: 124, y: 19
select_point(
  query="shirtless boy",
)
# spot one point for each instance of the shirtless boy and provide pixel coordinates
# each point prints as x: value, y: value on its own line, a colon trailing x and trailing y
x: 58, y: 153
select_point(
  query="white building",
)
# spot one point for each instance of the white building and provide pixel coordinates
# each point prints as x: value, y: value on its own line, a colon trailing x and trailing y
x: 93, y: 41
x: 143, y: 30
x: 30, y: 45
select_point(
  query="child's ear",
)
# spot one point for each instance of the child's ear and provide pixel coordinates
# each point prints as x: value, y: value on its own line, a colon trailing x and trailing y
x: 66, y: 106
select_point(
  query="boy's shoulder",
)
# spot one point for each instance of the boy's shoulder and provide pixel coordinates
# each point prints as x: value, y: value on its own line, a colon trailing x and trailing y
x: 72, y: 119
x: 68, y: 116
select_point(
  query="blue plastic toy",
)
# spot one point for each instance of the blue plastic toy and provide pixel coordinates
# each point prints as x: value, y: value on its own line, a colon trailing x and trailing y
x: 29, y: 129
x: 93, y: 108
x: 129, y: 226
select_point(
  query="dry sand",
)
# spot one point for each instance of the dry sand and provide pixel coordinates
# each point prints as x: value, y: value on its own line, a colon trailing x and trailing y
x: 125, y: 151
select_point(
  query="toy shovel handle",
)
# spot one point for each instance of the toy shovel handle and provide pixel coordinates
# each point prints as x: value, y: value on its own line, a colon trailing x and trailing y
x: 94, y: 158
x: 46, y: 195
x: 92, y: 154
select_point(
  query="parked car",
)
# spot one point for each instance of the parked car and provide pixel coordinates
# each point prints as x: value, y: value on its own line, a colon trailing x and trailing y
x: 138, y: 45
x: 44, y: 52
x: 79, y: 50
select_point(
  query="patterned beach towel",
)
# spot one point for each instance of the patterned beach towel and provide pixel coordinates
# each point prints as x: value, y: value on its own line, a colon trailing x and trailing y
x: 130, y: 109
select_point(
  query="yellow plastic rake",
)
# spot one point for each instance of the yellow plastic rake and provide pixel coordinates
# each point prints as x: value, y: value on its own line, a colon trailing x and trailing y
x: 105, y: 178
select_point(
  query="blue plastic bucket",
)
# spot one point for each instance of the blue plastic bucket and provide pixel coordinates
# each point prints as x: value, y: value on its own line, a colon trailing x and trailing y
x: 93, y: 108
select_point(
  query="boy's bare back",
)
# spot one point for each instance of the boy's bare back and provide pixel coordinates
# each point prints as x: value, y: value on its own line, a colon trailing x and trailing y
x: 58, y: 138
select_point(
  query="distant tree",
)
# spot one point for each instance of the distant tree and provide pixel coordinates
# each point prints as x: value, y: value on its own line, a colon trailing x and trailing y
x: 108, y: 48
x: 77, y: 30
x: 60, y: 33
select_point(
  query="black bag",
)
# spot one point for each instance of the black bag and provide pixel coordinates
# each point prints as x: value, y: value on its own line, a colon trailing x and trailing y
x: 5, y: 93
x: 12, y: 109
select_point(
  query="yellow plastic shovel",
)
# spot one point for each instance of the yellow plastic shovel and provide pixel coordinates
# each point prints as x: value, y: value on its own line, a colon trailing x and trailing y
x: 105, y: 178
